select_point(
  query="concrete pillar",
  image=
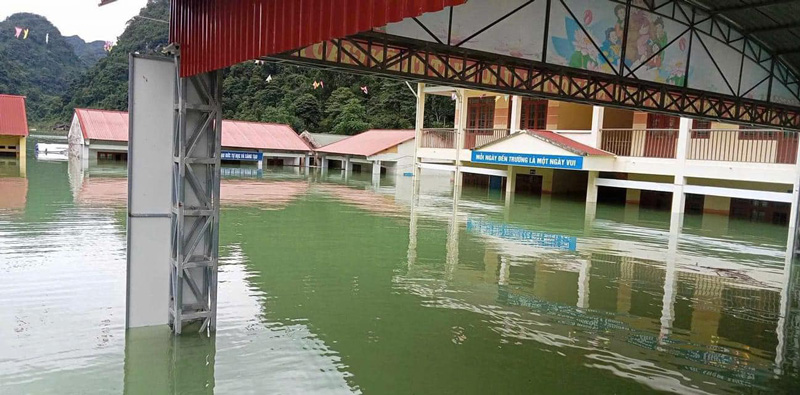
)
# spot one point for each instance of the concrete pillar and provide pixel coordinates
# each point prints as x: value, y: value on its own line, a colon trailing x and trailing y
x: 376, y: 174
x: 419, y: 124
x: 261, y: 164
x: 324, y: 165
x: 511, y: 185
x: 591, y: 198
x: 597, y: 125
x: 516, y: 114
x: 461, y: 125
x: 682, y: 149
x: 307, y: 163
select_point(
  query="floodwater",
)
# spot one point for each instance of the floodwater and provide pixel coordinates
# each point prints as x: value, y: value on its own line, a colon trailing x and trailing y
x: 338, y: 286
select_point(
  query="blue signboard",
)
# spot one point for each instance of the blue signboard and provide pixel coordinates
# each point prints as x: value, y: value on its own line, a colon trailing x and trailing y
x: 534, y: 160
x: 242, y: 155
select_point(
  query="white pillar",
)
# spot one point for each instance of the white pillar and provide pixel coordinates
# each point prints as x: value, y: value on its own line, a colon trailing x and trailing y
x: 598, y: 113
x: 308, y: 160
x: 323, y: 164
x: 261, y: 164
x: 376, y: 173
x: 511, y: 185
x: 681, y: 151
x: 591, y: 200
x: 516, y: 112
x: 461, y: 125
x: 418, y: 126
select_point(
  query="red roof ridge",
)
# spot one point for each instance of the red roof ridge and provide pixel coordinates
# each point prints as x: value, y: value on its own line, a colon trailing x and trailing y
x: 10, y: 95
x: 100, y: 110
x: 567, y: 143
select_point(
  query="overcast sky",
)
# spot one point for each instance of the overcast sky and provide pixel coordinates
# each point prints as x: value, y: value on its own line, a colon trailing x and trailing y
x: 81, y: 17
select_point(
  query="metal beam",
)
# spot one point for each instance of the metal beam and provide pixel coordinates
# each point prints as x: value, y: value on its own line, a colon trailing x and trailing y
x: 764, y: 29
x: 744, y: 7
x: 460, y: 67
x: 195, y: 201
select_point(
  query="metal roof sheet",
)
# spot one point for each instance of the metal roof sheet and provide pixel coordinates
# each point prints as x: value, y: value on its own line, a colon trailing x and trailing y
x: 216, y: 34
x: 103, y: 124
x: 369, y: 143
x: 113, y: 126
x: 269, y: 136
x: 13, y: 120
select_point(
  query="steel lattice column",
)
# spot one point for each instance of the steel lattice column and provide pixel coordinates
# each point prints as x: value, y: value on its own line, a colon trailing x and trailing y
x: 195, y: 201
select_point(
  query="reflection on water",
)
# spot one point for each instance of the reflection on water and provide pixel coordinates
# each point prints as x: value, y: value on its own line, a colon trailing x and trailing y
x: 333, y: 284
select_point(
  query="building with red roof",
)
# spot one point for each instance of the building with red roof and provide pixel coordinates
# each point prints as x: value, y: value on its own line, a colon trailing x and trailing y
x: 102, y: 134
x: 13, y: 126
x: 383, y: 151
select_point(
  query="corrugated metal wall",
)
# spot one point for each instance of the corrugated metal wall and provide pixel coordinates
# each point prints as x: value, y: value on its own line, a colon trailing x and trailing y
x: 218, y: 33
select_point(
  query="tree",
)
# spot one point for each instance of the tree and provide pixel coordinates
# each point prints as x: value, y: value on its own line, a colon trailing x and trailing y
x: 307, y: 109
x: 350, y: 120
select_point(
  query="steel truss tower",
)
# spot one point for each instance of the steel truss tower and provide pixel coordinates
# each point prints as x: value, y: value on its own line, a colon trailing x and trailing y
x: 195, y: 201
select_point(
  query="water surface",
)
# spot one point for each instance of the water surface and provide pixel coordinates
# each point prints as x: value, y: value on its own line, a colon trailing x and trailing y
x: 340, y: 286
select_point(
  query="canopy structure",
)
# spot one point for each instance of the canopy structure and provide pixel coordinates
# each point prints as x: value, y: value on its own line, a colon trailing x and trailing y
x: 703, y: 59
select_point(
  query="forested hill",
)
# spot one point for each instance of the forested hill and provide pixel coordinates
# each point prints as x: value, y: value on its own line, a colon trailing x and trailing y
x: 268, y: 92
x: 89, y: 53
x: 40, y: 66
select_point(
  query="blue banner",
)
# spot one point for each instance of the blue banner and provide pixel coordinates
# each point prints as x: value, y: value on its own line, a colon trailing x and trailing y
x: 532, y: 160
x: 242, y: 155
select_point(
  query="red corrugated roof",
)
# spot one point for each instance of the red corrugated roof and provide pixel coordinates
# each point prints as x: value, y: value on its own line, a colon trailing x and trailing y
x: 13, y: 120
x: 568, y: 143
x: 368, y: 143
x: 271, y: 136
x: 103, y: 124
x: 113, y: 126
x: 215, y: 34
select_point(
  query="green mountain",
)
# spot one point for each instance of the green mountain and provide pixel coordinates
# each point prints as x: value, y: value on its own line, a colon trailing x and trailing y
x: 41, y: 66
x: 88, y: 52
x: 254, y: 91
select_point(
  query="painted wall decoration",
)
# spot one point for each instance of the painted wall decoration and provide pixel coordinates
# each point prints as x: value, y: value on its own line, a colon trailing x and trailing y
x: 662, y: 44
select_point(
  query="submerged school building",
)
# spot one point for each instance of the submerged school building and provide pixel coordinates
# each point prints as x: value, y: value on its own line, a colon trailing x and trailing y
x: 101, y: 134
x: 13, y: 127
x: 377, y: 151
x: 636, y: 158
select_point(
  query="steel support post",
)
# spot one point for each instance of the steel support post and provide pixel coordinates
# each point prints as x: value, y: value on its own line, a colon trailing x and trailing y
x: 195, y: 201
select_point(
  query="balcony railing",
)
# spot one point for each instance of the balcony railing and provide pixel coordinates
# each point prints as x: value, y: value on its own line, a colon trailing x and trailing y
x: 756, y: 146
x: 478, y: 137
x: 438, y: 138
x: 643, y: 143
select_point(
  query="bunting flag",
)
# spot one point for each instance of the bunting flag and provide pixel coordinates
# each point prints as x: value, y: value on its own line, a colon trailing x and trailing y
x: 453, y: 96
x: 19, y: 31
x: 47, y: 38
x: 319, y: 84
x: 269, y: 78
x: 365, y: 90
x: 108, y: 46
x: 25, y: 34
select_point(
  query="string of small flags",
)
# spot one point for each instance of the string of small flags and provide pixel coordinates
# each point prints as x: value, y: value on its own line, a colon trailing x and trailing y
x: 269, y: 78
x: 21, y: 31
x: 319, y: 84
x: 365, y: 90
x: 108, y: 46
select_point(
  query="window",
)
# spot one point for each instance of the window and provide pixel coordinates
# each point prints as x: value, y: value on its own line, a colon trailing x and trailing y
x: 661, y: 121
x: 534, y: 114
x: 480, y: 113
x: 700, y: 124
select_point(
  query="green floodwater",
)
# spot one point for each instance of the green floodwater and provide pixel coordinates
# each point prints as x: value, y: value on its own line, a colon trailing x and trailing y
x: 334, y: 286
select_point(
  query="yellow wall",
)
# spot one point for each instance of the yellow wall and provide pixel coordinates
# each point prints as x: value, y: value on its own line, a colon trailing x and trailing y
x: 717, y: 205
x: 763, y: 186
x: 501, y: 112
x: 16, y: 141
x: 614, y: 118
x: 574, y: 116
